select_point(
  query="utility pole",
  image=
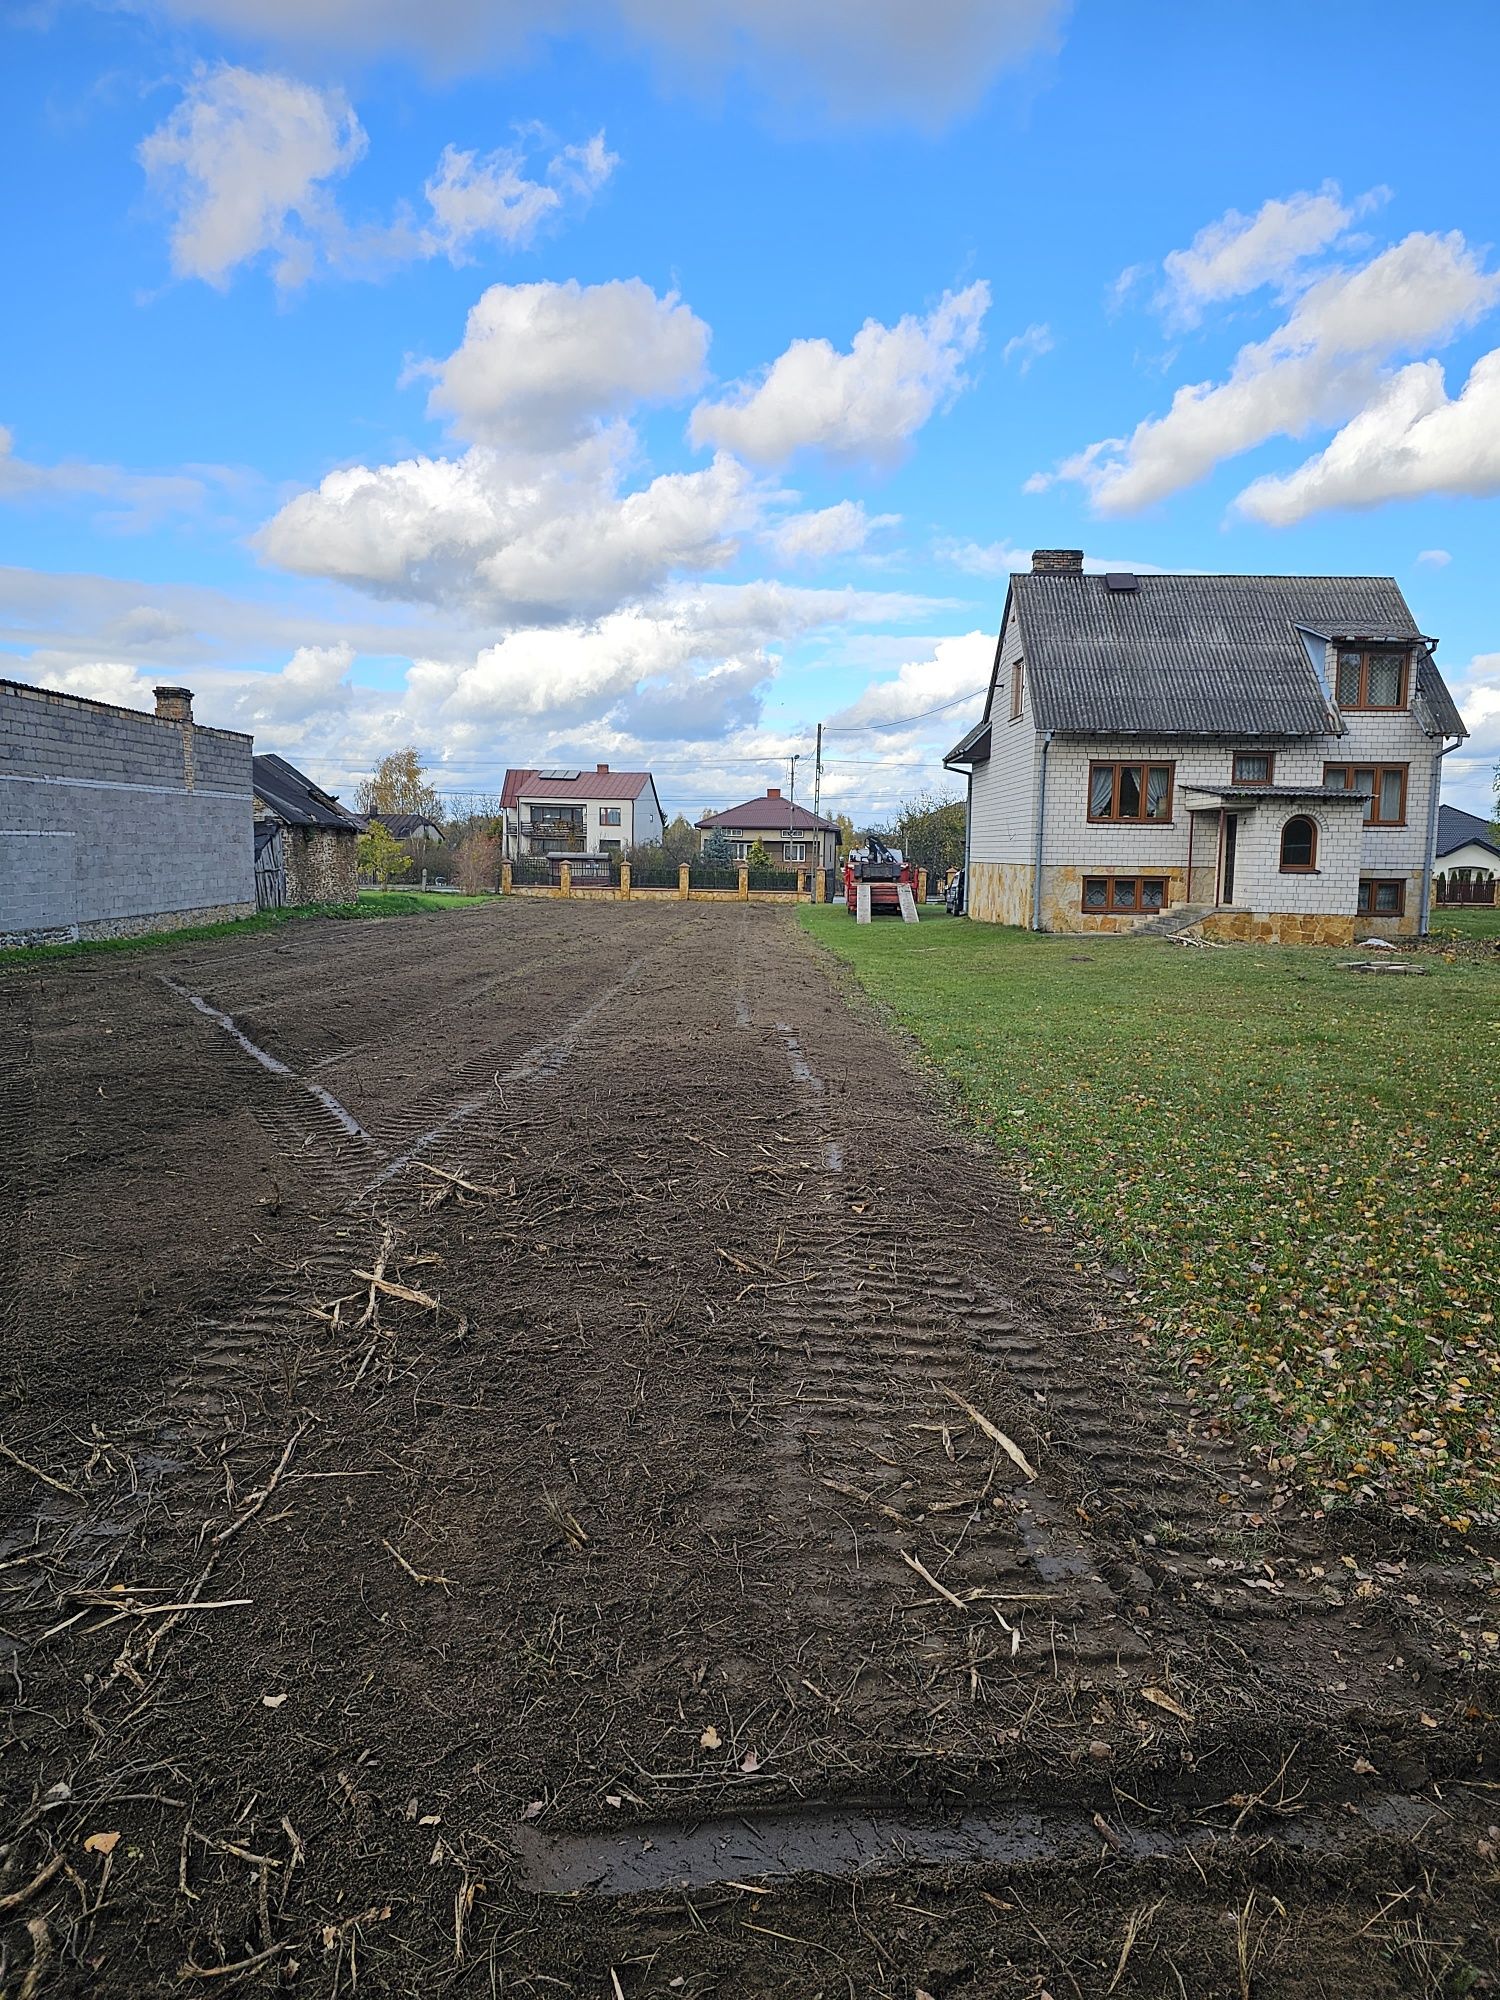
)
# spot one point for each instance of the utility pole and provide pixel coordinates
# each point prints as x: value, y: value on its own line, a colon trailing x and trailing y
x: 791, y: 817
x: 818, y: 773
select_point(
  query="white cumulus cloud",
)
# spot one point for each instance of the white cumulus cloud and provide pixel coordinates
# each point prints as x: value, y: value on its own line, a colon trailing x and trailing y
x: 1412, y: 439
x: 840, y: 530
x: 473, y: 196
x: 540, y: 364
x: 244, y: 160
x: 956, y: 671
x: 511, y: 536
x: 246, y: 164
x: 1240, y: 253
x: 866, y: 403
x: 1317, y: 369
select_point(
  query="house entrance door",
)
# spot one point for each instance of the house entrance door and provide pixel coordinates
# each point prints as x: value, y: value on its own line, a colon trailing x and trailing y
x: 1231, y: 832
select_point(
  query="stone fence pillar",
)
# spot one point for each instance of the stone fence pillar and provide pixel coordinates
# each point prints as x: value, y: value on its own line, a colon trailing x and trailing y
x: 565, y: 878
x: 744, y: 884
x: 505, y: 878
x: 683, y: 881
x: 820, y: 886
x: 625, y: 881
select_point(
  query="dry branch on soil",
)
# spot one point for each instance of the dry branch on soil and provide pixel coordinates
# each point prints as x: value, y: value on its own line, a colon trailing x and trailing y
x: 992, y: 1431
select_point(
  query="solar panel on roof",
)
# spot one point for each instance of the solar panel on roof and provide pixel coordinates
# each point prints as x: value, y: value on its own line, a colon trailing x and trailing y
x: 1121, y: 579
x: 559, y: 774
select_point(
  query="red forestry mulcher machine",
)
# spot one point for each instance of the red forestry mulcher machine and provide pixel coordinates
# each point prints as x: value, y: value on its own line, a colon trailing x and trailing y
x: 880, y: 882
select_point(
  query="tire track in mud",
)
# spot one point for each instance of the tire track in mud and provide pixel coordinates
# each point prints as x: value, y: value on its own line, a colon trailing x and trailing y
x: 720, y: 1102
x: 234, y: 1351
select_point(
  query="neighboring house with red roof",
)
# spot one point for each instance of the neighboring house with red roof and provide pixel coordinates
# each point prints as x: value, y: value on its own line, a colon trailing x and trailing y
x: 580, y: 812
x: 790, y: 834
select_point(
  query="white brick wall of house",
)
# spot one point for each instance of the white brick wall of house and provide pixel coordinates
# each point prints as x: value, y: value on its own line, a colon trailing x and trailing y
x: 1003, y: 816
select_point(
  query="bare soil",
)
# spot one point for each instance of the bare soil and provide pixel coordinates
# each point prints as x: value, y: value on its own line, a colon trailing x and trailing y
x: 618, y: 1502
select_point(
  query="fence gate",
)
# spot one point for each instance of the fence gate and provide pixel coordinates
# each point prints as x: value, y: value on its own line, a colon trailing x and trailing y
x: 270, y: 868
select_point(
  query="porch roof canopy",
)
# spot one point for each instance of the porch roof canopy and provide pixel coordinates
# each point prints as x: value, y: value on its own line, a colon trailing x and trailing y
x: 1208, y: 798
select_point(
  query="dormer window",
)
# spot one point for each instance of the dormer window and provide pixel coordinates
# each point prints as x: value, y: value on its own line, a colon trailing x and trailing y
x: 1371, y: 677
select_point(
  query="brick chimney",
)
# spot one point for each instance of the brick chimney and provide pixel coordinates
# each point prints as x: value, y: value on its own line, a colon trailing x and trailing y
x: 601, y: 770
x: 173, y: 704
x: 1066, y: 561
x: 773, y: 791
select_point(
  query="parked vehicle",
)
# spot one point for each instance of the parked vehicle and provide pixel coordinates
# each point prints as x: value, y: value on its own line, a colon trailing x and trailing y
x: 953, y: 895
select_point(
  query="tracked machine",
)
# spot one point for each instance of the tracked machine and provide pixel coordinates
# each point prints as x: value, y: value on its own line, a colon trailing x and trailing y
x: 880, y: 882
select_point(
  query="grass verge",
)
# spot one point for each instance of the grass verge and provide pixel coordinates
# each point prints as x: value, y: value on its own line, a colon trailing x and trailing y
x: 371, y: 903
x: 1465, y: 921
x: 1296, y: 1164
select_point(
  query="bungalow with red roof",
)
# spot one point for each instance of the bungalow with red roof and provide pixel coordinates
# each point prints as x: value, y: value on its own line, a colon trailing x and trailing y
x: 580, y: 812
x: 790, y: 834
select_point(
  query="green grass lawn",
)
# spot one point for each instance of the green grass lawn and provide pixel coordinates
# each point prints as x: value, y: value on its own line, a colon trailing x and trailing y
x: 1296, y: 1164
x: 371, y: 903
x: 1466, y: 922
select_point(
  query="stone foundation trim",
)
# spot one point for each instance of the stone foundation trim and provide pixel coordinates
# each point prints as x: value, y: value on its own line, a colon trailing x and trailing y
x: 124, y: 927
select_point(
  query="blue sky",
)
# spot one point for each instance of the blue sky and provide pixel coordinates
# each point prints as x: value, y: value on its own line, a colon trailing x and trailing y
x: 654, y: 387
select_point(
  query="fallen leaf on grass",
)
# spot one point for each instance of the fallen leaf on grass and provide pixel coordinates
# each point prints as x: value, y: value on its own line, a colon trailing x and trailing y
x: 534, y: 1810
x: 1159, y: 1698
x: 101, y: 1843
x: 711, y: 1739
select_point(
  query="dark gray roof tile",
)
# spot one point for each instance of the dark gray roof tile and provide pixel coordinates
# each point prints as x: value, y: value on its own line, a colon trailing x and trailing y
x: 1456, y: 829
x: 1200, y: 655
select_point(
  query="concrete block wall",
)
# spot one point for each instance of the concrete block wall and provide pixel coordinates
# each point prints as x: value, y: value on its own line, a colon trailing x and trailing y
x: 113, y: 821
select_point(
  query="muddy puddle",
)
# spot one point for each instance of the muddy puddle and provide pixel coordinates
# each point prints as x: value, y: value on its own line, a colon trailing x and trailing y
x: 664, y: 1854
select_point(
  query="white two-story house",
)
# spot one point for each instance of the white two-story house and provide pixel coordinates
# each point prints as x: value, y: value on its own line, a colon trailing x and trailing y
x: 1260, y: 753
x: 580, y: 812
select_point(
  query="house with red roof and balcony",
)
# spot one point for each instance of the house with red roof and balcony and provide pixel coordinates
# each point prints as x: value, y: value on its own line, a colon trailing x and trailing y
x: 560, y: 811
x: 790, y: 834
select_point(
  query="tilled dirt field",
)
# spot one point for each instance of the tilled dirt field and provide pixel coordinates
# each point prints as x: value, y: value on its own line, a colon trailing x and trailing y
x: 574, y: 1478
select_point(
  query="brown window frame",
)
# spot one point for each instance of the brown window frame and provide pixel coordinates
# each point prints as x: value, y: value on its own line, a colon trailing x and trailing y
x: 1268, y: 779
x: 1372, y: 817
x: 1137, y: 907
x: 1018, y: 690
x: 1371, y: 883
x: 1308, y: 867
x: 1145, y: 765
x: 1364, y: 704
x: 609, y: 815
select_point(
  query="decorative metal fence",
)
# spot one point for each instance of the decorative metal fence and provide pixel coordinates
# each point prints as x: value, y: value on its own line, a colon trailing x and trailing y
x: 783, y: 879
x: 530, y: 871
x: 705, y: 875
x: 653, y: 874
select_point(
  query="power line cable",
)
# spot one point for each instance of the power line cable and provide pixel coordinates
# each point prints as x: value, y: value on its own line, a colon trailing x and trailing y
x: 901, y: 721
